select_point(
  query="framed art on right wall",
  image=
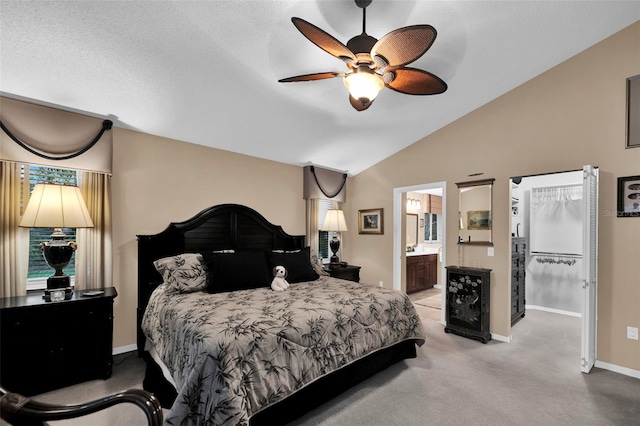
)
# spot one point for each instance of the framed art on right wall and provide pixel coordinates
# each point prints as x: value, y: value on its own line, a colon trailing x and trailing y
x: 629, y: 196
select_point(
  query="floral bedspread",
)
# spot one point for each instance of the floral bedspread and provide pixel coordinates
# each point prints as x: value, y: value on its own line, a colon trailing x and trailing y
x: 234, y: 354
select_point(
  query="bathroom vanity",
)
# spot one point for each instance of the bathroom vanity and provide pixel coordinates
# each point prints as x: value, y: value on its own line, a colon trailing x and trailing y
x: 422, y: 271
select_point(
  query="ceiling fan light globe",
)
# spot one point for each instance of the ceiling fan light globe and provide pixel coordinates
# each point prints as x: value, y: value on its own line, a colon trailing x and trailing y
x: 363, y: 85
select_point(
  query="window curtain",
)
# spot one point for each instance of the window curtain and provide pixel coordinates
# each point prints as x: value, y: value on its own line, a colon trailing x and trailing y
x: 312, y: 225
x: 343, y: 241
x: 14, y: 240
x: 94, y: 254
x: 319, y: 184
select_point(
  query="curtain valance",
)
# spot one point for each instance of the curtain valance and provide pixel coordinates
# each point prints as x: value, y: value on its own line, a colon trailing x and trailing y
x: 323, y: 183
x: 56, y: 133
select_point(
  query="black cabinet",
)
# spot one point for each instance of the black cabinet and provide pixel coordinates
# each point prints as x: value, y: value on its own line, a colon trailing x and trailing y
x: 49, y: 345
x: 346, y: 272
x: 468, y: 295
x: 518, y: 248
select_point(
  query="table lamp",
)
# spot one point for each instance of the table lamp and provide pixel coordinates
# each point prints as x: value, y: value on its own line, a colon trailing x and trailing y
x: 57, y: 206
x: 334, y: 222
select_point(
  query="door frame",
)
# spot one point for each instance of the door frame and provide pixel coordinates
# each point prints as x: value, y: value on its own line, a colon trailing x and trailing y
x: 589, y: 317
x: 398, y: 253
x: 590, y: 193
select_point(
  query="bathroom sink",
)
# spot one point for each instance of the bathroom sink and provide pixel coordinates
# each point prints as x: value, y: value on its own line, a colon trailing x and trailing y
x: 423, y: 252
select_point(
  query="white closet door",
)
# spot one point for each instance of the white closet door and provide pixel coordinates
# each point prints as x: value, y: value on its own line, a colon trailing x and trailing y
x: 590, y: 262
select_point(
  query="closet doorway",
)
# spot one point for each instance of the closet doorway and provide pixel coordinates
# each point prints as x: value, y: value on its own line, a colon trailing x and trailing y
x: 554, y: 235
x: 426, y: 223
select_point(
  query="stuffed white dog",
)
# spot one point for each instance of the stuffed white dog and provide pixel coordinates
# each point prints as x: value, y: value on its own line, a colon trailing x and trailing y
x: 279, y: 282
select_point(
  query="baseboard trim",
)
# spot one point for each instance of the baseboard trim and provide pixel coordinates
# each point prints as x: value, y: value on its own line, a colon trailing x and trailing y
x: 501, y: 338
x: 618, y: 369
x: 554, y: 311
x: 123, y: 349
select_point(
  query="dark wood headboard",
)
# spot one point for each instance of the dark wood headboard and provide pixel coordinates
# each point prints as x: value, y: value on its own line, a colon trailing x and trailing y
x: 221, y: 227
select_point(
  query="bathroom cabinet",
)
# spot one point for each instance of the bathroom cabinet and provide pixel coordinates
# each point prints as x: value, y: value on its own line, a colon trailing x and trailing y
x: 422, y: 272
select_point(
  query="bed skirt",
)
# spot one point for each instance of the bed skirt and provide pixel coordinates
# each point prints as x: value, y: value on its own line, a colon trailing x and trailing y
x: 305, y: 399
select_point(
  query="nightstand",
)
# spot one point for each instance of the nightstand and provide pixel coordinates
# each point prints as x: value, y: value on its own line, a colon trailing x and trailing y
x: 49, y: 345
x: 348, y: 272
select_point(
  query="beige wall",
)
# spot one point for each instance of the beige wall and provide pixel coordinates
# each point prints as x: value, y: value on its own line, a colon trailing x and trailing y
x: 570, y: 116
x: 157, y: 181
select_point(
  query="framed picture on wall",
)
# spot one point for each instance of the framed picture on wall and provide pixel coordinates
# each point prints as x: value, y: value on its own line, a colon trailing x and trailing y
x: 633, y: 112
x: 629, y: 196
x: 370, y: 221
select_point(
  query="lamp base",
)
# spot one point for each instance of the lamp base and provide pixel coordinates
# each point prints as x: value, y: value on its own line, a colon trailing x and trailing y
x: 57, y: 294
x: 58, y: 281
x: 57, y: 253
x: 334, y: 244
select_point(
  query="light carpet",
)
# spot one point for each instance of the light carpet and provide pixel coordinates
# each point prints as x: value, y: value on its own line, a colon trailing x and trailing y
x: 534, y: 380
x: 434, y: 302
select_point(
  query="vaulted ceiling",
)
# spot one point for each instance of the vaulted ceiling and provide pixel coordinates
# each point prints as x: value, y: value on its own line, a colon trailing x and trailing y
x: 206, y: 72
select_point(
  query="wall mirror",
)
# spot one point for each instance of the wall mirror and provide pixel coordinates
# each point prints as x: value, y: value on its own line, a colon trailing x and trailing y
x: 412, y: 230
x: 475, y: 212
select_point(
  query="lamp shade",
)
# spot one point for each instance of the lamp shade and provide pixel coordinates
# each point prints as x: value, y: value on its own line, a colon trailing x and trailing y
x: 56, y: 206
x: 363, y: 85
x: 334, y: 221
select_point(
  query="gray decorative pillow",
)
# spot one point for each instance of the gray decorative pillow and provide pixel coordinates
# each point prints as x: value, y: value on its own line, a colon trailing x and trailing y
x: 184, y: 273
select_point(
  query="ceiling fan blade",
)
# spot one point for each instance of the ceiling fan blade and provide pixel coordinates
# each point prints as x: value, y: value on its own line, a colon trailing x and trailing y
x: 412, y: 81
x: 359, y: 106
x: 404, y: 45
x: 311, y: 77
x: 324, y: 41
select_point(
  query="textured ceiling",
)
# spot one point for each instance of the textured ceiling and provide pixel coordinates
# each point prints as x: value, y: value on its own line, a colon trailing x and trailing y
x: 206, y: 71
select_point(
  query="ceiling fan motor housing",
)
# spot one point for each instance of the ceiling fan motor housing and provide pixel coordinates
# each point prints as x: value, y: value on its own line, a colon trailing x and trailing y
x: 362, y: 45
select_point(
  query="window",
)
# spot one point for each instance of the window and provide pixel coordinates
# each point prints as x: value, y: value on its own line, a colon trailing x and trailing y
x: 323, y: 236
x: 39, y: 270
x: 432, y: 227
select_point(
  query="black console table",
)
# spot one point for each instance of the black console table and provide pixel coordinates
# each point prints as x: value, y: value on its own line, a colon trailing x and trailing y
x: 468, y: 296
x: 49, y: 345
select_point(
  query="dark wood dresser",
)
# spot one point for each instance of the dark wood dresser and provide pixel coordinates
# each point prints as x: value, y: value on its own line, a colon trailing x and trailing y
x: 468, y: 297
x: 518, y: 248
x: 49, y: 345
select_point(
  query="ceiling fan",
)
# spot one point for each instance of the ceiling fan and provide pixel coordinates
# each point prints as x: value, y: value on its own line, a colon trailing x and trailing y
x: 374, y: 64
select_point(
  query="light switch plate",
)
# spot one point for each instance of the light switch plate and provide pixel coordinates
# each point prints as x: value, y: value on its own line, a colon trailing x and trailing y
x: 490, y: 251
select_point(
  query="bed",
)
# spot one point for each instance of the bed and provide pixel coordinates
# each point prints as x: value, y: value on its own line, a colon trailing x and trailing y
x: 221, y: 347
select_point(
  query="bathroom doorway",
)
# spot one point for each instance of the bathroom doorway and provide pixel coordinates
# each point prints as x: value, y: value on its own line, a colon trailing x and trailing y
x: 431, y: 229
x: 554, y: 250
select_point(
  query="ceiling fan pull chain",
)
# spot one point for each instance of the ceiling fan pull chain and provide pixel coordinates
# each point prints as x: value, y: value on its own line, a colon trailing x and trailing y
x: 344, y: 180
x: 106, y: 125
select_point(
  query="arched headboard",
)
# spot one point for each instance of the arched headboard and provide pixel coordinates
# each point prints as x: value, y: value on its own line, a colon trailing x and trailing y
x: 221, y: 227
